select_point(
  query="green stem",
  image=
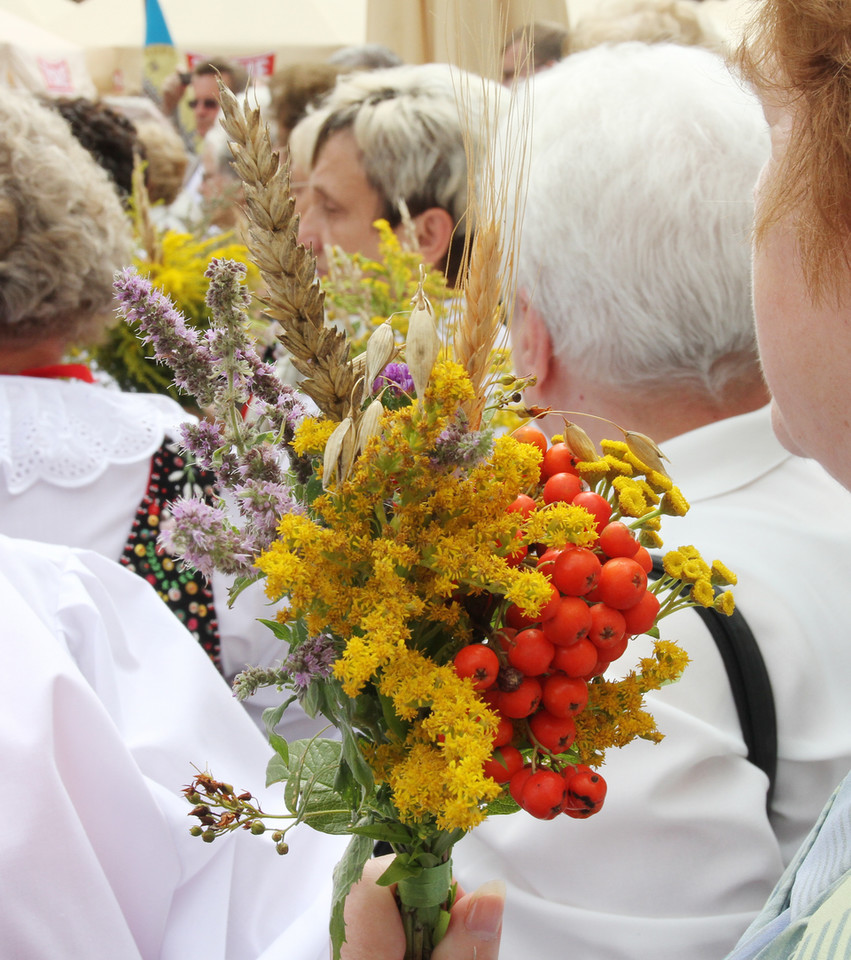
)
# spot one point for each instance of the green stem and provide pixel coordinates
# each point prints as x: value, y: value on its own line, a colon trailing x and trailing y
x: 424, y: 902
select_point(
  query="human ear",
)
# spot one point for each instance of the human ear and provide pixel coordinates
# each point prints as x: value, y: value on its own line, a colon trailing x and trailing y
x: 433, y: 229
x: 532, y: 346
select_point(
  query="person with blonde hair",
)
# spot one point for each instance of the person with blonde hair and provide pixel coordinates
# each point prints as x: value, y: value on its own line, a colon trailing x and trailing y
x: 166, y: 160
x: 797, y: 56
x: 649, y: 21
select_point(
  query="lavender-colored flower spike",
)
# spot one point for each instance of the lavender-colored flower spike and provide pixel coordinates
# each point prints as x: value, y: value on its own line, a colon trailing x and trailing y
x: 202, y: 440
x: 311, y: 660
x: 458, y: 447
x: 165, y: 328
x: 264, y: 503
x: 202, y: 537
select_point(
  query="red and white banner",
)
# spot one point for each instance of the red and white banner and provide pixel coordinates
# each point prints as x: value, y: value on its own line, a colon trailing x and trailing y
x: 56, y: 74
x: 256, y: 66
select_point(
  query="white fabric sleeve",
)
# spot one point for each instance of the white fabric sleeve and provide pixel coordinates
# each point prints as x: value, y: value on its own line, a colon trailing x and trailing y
x: 107, y: 705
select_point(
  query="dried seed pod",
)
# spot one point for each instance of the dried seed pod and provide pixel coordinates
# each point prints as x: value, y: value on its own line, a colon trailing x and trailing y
x: 423, y: 344
x: 579, y: 442
x: 646, y: 450
x: 339, y: 452
x: 380, y: 348
x: 370, y: 425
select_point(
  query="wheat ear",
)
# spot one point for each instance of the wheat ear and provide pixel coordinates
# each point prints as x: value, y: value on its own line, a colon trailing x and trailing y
x: 293, y: 295
x: 482, y: 319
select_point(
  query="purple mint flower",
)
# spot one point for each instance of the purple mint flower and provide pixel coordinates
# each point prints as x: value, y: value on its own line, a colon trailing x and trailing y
x: 267, y: 386
x: 311, y: 660
x: 262, y: 463
x: 396, y: 378
x: 226, y: 293
x: 458, y: 447
x: 166, y: 330
x: 286, y: 410
x: 202, y: 440
x: 205, y: 539
x: 263, y: 504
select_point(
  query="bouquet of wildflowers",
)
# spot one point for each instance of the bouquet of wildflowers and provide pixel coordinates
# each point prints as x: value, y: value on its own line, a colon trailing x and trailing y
x: 450, y: 600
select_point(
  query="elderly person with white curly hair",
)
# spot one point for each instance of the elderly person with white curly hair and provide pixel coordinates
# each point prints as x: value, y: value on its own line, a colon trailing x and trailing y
x: 634, y: 304
x: 80, y: 464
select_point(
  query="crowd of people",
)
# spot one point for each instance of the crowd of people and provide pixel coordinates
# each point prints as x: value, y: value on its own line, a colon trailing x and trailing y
x: 649, y: 157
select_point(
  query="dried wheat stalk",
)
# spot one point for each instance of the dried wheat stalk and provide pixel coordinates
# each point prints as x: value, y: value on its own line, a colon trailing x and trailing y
x: 494, y: 177
x: 293, y: 298
x: 482, y: 319
x: 146, y: 233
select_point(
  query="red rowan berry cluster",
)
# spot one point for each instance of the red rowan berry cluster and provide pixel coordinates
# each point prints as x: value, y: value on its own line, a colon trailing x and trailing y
x: 534, y: 673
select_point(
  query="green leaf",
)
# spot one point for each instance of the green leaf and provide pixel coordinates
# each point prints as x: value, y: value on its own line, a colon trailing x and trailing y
x: 313, y: 767
x: 441, y: 928
x: 240, y: 584
x: 347, y: 872
x: 394, y: 724
x: 279, y: 745
x: 391, y: 832
x: 502, y: 805
x: 346, y: 785
x: 291, y: 633
x: 272, y: 717
x: 361, y: 770
x: 328, y: 813
x: 276, y: 770
x: 310, y: 700
x: 401, y: 868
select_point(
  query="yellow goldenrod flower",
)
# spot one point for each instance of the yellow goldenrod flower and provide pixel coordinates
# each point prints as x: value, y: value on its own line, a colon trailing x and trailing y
x: 560, y: 524
x: 311, y: 435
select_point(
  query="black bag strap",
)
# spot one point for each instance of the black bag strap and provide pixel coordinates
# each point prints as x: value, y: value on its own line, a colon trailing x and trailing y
x: 749, y: 682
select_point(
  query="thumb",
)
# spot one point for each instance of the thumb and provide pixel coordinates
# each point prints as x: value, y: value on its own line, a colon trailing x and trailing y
x: 476, y: 925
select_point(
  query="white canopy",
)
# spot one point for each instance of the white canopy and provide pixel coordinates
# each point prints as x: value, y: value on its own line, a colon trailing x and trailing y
x: 112, y: 32
x: 39, y: 60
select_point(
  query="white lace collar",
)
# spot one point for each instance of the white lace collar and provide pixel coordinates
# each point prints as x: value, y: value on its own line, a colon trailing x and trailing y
x: 67, y: 433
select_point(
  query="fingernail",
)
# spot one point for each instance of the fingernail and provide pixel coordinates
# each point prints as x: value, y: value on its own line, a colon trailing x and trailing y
x: 484, y: 919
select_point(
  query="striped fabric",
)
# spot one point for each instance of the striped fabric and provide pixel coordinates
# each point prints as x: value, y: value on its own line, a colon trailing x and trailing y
x: 808, y: 916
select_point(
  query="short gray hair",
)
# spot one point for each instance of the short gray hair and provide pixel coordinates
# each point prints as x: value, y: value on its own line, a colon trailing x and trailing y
x: 635, y: 244
x: 411, y: 124
x: 64, y: 232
